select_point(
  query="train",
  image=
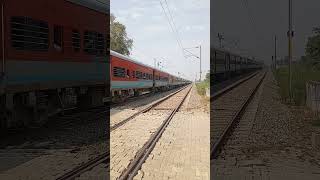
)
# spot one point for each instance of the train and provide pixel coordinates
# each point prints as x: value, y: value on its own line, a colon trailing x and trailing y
x: 54, y: 56
x: 132, y: 78
x: 225, y: 64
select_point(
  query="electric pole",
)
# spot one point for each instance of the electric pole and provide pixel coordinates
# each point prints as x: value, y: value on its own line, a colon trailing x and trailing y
x: 220, y: 36
x: 275, y: 52
x: 290, y: 35
x: 157, y: 64
x: 200, y: 63
x: 198, y: 57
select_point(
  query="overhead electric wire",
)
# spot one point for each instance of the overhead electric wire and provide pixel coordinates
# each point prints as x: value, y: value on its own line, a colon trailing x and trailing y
x: 142, y: 53
x: 172, y: 25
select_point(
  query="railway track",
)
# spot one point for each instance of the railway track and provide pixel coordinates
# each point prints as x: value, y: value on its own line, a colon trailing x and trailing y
x: 146, y: 109
x: 88, y: 166
x: 231, y: 103
x: 89, y: 115
x: 143, y: 153
x: 128, y: 100
x: 69, y: 131
x: 78, y: 171
x: 173, y: 103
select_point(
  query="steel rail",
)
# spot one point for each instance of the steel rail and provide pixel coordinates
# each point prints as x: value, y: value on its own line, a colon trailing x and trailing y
x: 135, y: 98
x: 229, y: 88
x: 116, y: 126
x: 145, y: 151
x: 76, y: 172
x: 236, y: 118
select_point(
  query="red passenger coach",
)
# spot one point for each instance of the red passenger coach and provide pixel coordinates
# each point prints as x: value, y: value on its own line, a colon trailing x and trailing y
x: 129, y: 77
x: 161, y: 79
x: 53, y: 57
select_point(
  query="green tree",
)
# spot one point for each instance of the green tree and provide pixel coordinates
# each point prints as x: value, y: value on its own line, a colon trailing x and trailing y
x: 119, y: 41
x: 313, y: 45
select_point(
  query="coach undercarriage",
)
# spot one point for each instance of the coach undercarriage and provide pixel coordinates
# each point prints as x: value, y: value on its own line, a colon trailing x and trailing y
x: 120, y: 95
x: 18, y: 110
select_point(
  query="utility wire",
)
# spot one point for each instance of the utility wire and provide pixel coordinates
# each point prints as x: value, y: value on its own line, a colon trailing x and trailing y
x: 172, y: 27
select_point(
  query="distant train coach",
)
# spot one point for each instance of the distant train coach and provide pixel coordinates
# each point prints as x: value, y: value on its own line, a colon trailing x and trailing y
x: 225, y: 64
x: 131, y: 78
x: 53, y: 57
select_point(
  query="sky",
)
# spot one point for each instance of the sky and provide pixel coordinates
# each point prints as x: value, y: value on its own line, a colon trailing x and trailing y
x: 270, y: 18
x: 153, y: 37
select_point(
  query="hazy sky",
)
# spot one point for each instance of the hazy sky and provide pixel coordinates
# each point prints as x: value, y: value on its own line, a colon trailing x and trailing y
x: 231, y: 18
x: 153, y: 38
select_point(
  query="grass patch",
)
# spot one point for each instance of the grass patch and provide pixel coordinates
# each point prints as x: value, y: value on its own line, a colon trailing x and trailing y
x: 301, y: 73
x: 202, y: 86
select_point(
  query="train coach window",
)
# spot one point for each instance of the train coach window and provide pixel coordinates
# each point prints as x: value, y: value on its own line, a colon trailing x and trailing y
x: 133, y: 74
x: 29, y: 34
x: 100, y: 43
x: 76, y: 39
x: 139, y: 74
x: 57, y: 37
x: 220, y: 58
x: 107, y: 40
x: 119, y: 72
x: 94, y: 43
x: 128, y: 73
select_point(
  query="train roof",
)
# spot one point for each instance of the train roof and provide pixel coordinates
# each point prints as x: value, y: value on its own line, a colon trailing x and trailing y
x: 113, y: 53
x: 97, y: 5
x: 223, y: 50
x: 227, y: 51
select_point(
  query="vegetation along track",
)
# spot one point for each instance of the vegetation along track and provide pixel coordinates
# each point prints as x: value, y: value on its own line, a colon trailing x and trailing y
x: 148, y: 108
x: 173, y: 104
x: 228, y: 105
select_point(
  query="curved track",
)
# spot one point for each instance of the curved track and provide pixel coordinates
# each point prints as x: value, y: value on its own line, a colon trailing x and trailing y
x: 231, y: 103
